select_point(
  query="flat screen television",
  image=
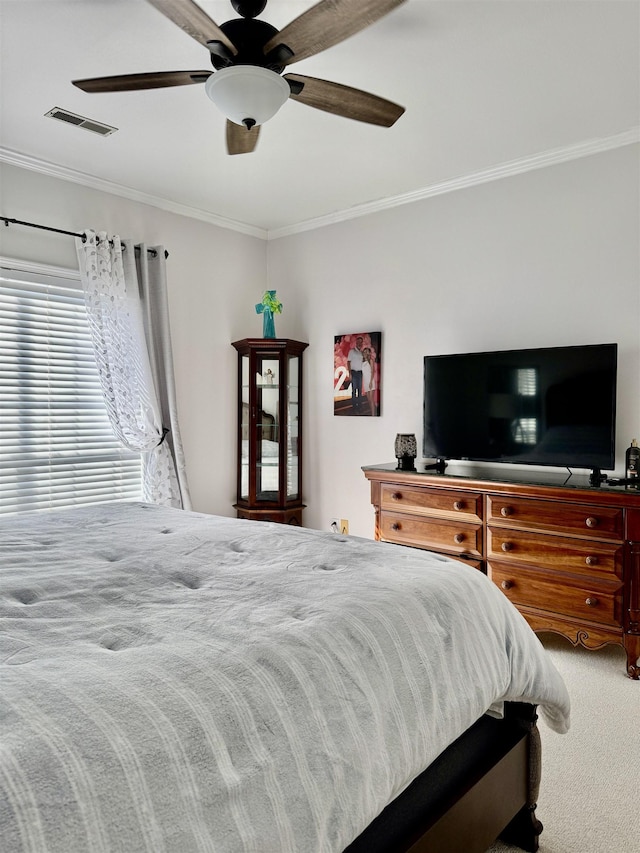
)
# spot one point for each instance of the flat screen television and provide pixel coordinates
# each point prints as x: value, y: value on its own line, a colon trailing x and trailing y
x: 553, y: 406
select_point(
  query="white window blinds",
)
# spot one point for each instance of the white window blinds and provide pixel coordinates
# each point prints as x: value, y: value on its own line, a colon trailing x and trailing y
x: 57, y: 447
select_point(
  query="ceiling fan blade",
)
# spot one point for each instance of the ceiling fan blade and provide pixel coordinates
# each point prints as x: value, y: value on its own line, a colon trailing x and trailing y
x: 132, y: 82
x: 344, y: 100
x: 193, y: 20
x: 240, y: 140
x: 326, y: 24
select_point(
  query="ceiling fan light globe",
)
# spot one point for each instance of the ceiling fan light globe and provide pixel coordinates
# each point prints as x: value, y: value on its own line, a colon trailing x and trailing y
x: 247, y: 92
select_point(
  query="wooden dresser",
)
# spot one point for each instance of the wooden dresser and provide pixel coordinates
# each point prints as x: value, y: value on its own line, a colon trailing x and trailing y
x: 567, y: 554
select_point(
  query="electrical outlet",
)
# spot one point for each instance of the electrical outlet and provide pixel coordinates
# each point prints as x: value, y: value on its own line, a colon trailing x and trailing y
x: 344, y: 526
x: 334, y: 525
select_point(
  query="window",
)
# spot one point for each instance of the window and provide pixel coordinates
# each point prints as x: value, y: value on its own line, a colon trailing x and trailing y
x: 57, y: 447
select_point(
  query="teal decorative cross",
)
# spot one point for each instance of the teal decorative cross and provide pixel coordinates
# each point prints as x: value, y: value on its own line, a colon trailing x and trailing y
x: 268, y: 307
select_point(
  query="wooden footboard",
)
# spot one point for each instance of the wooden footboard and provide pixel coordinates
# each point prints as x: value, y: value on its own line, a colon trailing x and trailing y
x: 485, y: 785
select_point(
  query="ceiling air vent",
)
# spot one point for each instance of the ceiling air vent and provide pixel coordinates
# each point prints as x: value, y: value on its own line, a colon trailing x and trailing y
x: 81, y: 121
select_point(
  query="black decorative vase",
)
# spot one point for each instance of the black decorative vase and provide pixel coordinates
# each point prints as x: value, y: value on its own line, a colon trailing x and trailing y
x: 406, y: 450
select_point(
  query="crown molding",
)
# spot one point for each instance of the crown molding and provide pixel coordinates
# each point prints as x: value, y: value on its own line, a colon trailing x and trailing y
x: 52, y: 170
x: 552, y: 157
x: 504, y: 170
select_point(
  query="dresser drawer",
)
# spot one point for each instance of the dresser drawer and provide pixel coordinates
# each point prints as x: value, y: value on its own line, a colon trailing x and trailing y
x: 562, y: 553
x: 597, y: 521
x: 435, y: 534
x: 601, y: 604
x: 440, y: 502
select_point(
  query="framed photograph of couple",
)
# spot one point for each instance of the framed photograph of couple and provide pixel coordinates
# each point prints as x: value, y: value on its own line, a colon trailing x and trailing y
x: 356, y: 374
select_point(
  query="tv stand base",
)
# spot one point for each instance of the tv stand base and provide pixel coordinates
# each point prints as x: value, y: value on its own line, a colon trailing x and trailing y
x: 439, y: 466
x: 597, y: 478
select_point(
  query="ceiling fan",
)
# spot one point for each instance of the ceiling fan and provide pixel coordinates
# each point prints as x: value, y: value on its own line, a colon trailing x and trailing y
x: 249, y: 56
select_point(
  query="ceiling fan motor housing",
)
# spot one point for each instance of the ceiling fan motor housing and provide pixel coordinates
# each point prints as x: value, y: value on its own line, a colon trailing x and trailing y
x: 249, y: 38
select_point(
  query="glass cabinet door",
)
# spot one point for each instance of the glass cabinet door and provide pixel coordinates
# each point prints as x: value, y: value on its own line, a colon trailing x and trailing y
x: 243, y: 487
x: 267, y: 429
x: 293, y: 423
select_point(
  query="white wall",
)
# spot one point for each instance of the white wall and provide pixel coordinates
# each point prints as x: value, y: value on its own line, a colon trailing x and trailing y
x: 215, y: 277
x: 546, y: 258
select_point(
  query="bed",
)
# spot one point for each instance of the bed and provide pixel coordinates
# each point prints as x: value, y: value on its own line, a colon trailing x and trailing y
x: 172, y: 681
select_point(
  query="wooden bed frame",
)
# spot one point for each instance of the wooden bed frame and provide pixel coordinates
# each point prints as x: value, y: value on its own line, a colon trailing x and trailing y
x: 484, y: 786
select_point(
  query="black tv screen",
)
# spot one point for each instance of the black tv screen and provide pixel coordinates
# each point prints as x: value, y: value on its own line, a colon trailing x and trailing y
x: 552, y: 406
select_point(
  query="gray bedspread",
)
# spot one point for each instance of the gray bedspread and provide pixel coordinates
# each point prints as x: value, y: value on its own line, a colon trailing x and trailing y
x: 171, y: 681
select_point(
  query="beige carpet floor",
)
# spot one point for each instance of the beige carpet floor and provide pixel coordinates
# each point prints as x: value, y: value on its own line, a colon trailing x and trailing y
x: 590, y: 793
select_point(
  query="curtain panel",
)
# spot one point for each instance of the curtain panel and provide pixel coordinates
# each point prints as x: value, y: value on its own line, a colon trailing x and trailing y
x: 126, y: 299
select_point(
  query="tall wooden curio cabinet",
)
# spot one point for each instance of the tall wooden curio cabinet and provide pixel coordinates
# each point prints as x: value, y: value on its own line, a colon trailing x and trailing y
x: 270, y: 429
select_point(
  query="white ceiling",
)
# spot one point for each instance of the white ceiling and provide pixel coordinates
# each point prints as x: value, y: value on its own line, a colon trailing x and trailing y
x: 487, y: 85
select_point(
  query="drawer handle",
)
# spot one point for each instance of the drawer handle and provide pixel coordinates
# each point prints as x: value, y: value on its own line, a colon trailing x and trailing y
x: 591, y: 560
x: 396, y: 496
x: 395, y: 526
x: 459, y: 538
x: 507, y: 546
x: 592, y: 521
x: 506, y: 584
x: 592, y: 602
x: 458, y: 505
x: 506, y: 511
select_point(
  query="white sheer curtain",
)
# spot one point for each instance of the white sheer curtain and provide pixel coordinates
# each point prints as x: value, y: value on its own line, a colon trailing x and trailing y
x: 125, y: 293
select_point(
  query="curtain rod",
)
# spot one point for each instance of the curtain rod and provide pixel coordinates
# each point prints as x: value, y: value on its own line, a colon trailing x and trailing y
x: 7, y: 221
